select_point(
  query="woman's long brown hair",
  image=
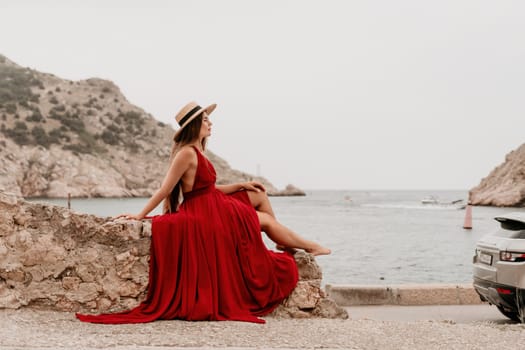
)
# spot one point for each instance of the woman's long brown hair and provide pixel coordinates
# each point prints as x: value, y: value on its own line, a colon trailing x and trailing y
x: 188, y: 135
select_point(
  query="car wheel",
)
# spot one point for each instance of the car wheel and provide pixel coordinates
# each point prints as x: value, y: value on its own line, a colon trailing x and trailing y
x: 509, y: 314
x: 520, y: 303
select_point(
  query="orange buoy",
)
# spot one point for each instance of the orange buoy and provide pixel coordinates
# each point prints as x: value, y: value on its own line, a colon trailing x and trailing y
x: 468, y: 217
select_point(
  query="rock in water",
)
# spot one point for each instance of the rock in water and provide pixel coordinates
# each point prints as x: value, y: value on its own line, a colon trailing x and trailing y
x: 289, y: 190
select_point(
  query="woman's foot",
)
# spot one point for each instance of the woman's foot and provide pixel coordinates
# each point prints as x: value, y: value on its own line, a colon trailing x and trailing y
x: 318, y: 250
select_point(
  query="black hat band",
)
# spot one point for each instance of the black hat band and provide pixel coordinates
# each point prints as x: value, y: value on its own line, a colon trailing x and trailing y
x: 189, y: 115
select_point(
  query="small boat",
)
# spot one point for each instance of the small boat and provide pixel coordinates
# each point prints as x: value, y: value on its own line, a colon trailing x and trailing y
x: 431, y: 201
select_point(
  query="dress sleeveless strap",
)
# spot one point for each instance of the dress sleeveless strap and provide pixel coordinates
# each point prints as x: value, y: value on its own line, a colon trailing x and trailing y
x: 199, y: 153
x: 203, y: 183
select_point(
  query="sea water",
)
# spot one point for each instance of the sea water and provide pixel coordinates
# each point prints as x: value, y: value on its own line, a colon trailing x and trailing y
x: 376, y: 237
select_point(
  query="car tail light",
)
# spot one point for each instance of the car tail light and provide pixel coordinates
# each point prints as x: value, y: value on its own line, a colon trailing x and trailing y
x: 504, y: 291
x: 512, y: 256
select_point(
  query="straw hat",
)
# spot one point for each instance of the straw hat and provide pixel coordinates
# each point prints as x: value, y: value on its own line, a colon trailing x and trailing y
x: 190, y: 112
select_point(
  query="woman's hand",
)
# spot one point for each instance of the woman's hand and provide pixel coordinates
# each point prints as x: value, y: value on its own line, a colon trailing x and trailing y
x: 255, y: 186
x: 129, y: 216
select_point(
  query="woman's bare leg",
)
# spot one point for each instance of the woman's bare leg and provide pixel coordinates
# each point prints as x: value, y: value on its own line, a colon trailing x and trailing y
x: 260, y: 202
x: 280, y: 234
x: 285, y: 237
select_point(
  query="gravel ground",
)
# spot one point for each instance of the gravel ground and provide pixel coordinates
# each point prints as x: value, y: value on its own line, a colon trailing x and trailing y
x: 32, y: 329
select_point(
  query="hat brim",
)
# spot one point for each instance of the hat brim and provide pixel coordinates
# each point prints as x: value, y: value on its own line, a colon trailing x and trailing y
x: 208, y: 110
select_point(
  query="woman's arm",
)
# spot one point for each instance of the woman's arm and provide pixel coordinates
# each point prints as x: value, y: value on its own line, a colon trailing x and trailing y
x: 248, y: 186
x: 178, y: 167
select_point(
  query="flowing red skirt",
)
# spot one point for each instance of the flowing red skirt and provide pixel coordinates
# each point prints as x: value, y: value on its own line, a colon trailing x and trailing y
x: 208, y: 262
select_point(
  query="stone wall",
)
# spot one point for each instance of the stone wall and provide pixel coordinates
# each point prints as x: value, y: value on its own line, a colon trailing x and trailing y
x: 53, y: 258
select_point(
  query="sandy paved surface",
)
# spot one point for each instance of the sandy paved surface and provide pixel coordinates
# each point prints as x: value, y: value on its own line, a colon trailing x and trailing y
x: 30, y: 329
x: 411, y: 313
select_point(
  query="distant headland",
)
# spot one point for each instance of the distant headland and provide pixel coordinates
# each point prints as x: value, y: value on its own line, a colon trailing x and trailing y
x: 84, y: 138
x: 505, y: 185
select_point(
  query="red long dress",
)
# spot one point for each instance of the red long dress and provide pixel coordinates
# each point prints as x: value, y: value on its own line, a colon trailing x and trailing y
x: 208, y: 261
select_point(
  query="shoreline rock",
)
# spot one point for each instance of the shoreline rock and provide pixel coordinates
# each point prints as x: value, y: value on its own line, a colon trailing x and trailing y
x: 55, y: 259
x: 505, y: 185
x: 289, y: 190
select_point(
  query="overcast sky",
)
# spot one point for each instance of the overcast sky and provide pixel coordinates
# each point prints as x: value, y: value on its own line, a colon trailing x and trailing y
x: 322, y: 94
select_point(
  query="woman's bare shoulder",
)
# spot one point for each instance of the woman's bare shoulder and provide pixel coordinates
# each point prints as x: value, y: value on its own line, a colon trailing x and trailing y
x: 186, y: 154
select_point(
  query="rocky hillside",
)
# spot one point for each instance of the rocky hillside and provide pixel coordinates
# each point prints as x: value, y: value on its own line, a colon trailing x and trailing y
x: 81, y: 137
x: 505, y: 185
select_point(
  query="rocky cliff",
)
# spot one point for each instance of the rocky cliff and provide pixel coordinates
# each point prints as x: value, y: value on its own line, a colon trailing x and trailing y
x: 53, y: 258
x: 82, y: 137
x: 505, y: 185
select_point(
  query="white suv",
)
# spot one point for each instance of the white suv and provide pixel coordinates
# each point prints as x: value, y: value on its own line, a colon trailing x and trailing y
x: 499, y: 266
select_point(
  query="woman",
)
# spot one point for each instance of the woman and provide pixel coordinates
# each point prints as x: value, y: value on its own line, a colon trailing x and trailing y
x: 208, y: 260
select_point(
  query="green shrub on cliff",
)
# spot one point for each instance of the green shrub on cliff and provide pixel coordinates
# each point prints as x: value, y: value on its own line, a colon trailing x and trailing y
x: 74, y: 123
x: 59, y: 108
x: 16, y: 83
x: 41, y: 137
x: 10, y: 108
x: 110, y: 137
x: 34, y: 118
x: 87, y: 144
x: 132, y: 117
x: 55, y: 135
x: 68, y: 120
x: 18, y: 134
